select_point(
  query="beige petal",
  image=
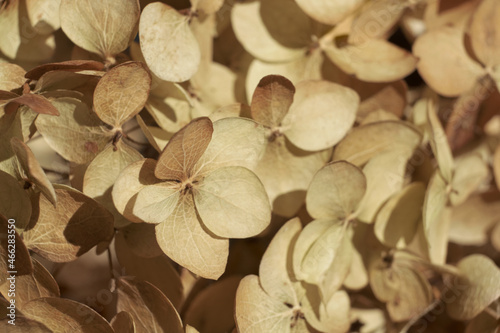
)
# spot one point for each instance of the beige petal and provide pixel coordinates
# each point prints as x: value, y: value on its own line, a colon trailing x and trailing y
x: 154, y: 203
x: 59, y: 314
x: 232, y: 203
x: 471, y: 171
x: 11, y: 76
x: 121, y: 93
x: 235, y: 142
x: 70, y: 65
x: 485, y: 33
x: 31, y: 286
x: 364, y: 142
x: 439, y: 142
x: 76, y: 134
x: 183, y: 238
x: 397, y: 221
x: 472, y: 220
x: 271, y: 100
x: 321, y: 114
x: 329, y: 12
x: 102, y: 173
x: 385, y: 175
x: 275, y: 270
x: 33, y: 169
x: 14, y: 201
x: 335, y: 191
x: 264, y: 29
x: 286, y: 172
x: 123, y: 322
x: 184, y: 150
x: 308, y: 67
x: 256, y: 311
x: 475, y: 288
x: 206, y: 6
x: 436, y: 218
x: 496, y: 166
x: 62, y: 234
x: 150, y: 309
x: 167, y: 43
x: 376, y: 60
x: 102, y: 27
x: 130, y: 181
x: 13, y: 125
x: 444, y: 63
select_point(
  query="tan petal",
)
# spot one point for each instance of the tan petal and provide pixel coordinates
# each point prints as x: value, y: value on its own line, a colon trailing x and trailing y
x: 321, y: 114
x: 11, y: 76
x: 70, y: 65
x: 475, y: 288
x: 364, y: 142
x: 444, y: 63
x: 14, y: 201
x: 102, y: 173
x: 206, y: 6
x: 376, y: 60
x: 471, y: 171
x: 102, y: 27
x: 496, y: 166
x: 485, y: 33
x: 264, y: 29
x: 232, y: 203
x: 58, y: 314
x: 33, y: 169
x: 123, y: 322
x: 121, y: 93
x: 154, y: 203
x: 335, y: 191
x: 183, y: 238
x: 167, y: 43
x: 185, y: 148
x: 271, y: 100
x: 149, y: 308
x: 76, y: 134
x: 328, y: 11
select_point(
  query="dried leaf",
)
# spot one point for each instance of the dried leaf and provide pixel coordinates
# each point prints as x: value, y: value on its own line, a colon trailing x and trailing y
x: 33, y: 169
x: 233, y: 203
x: 150, y: 309
x: 329, y: 12
x: 102, y: 27
x: 77, y: 317
x: 121, y: 93
x: 271, y: 100
x: 63, y: 233
x: 185, y: 148
x: 475, y: 288
x: 76, y: 134
x: 441, y: 52
x: 364, y: 142
x: 102, y: 173
x: 185, y: 240
x: 167, y: 43
x: 37, y: 103
x: 335, y: 191
x: 320, y: 115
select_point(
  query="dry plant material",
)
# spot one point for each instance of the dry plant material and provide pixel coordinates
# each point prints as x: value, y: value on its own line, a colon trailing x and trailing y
x: 249, y: 166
